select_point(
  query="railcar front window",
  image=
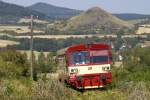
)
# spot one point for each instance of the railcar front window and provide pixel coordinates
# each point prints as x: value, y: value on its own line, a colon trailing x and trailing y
x: 79, y: 58
x: 98, y: 56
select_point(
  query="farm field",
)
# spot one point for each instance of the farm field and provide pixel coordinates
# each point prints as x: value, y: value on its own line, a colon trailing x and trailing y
x: 79, y: 36
x: 143, y: 30
x: 17, y: 29
x: 5, y: 43
x: 136, y: 21
x: 66, y: 36
x: 27, y: 20
x: 56, y: 36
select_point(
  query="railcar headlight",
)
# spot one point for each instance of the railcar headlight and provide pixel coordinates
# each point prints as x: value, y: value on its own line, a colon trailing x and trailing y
x: 75, y: 70
x: 106, y: 68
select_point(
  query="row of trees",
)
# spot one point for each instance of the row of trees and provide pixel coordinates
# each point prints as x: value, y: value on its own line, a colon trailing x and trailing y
x: 52, y: 45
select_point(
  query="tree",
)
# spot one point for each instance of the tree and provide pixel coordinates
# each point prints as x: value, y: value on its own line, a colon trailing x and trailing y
x: 41, y: 62
x: 51, y: 66
x: 46, y: 64
x: 13, y: 64
x: 137, y: 59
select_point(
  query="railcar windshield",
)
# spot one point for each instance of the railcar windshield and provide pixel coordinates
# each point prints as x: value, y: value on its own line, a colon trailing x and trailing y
x: 98, y: 56
x: 79, y: 58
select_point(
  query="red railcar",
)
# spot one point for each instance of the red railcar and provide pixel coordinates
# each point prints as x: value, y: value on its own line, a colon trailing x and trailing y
x: 88, y: 66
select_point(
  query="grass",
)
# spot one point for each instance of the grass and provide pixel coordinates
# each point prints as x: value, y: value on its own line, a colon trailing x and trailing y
x: 125, y: 86
x: 53, y: 90
x: 15, y: 89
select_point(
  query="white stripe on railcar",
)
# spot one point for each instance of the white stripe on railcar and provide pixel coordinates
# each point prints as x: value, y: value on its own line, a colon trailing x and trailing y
x: 91, y: 69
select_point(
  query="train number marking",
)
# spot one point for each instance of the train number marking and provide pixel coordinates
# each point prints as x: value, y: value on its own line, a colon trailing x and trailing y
x: 89, y: 68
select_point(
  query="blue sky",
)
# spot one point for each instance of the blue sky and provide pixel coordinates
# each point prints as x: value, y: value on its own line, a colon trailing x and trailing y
x: 113, y: 6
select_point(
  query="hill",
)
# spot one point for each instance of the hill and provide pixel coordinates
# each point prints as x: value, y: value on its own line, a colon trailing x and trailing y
x: 10, y: 12
x: 131, y: 16
x: 96, y: 18
x: 54, y: 11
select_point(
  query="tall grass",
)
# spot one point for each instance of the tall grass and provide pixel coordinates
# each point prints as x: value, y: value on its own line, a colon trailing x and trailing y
x: 54, y: 90
x: 51, y: 90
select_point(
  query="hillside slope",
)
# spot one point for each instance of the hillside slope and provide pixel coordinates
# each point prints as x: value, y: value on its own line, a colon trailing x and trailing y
x: 11, y: 12
x: 54, y: 11
x: 96, y: 18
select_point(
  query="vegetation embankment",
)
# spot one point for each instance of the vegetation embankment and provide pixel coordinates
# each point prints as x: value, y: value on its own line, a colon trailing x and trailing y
x: 14, y: 75
x: 130, y: 82
x: 15, y: 82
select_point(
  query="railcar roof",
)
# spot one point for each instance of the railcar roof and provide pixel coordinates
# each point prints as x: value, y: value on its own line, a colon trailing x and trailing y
x: 81, y: 47
x: 85, y: 46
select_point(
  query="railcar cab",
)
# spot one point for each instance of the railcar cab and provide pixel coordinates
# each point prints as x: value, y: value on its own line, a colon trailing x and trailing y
x: 88, y: 66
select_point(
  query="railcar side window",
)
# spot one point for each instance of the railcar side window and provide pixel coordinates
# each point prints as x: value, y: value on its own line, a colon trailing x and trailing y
x: 79, y: 58
x: 98, y: 56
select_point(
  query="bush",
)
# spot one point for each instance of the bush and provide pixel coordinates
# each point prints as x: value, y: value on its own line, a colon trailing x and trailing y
x: 137, y: 59
x: 46, y: 64
x: 13, y: 64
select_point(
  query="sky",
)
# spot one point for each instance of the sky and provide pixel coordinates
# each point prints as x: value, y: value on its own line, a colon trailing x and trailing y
x: 113, y: 6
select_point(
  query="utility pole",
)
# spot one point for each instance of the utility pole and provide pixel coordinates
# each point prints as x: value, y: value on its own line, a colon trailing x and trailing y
x: 31, y: 49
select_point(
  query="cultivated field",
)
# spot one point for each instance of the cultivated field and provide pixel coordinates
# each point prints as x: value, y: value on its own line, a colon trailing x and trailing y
x: 17, y: 29
x: 5, y: 43
x: 79, y: 36
x: 66, y: 36
x: 136, y: 21
x: 27, y: 20
x: 143, y: 30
